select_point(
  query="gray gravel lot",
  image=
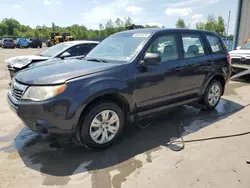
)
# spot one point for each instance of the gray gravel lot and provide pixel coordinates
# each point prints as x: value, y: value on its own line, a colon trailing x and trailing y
x: 142, y: 158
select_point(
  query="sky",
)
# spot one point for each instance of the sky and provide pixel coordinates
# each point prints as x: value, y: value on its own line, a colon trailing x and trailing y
x: 92, y: 12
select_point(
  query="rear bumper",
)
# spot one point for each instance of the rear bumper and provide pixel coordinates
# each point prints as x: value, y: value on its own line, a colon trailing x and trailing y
x: 8, y: 46
x: 236, y: 68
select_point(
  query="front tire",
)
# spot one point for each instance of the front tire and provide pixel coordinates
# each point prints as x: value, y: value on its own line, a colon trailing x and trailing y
x: 102, y: 125
x: 212, y: 95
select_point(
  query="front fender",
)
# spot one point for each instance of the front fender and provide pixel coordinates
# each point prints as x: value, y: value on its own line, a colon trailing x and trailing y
x: 95, y: 88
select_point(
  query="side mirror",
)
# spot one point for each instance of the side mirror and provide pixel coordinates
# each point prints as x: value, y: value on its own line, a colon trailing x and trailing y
x: 238, y: 47
x: 151, y: 59
x: 65, y: 54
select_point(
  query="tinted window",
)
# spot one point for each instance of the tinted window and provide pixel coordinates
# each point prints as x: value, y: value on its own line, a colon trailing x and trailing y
x: 79, y: 50
x: 214, y: 43
x: 193, y: 45
x: 93, y: 45
x: 8, y: 40
x: 166, y: 47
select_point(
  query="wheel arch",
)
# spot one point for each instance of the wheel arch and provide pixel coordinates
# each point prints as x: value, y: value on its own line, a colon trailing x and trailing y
x: 105, y: 96
x: 218, y: 77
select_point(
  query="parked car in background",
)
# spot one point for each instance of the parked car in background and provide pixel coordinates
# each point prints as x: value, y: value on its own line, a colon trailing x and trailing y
x: 35, y: 42
x: 8, y: 43
x: 1, y: 42
x: 123, y: 79
x: 66, y: 50
x: 22, y: 43
x: 240, y: 58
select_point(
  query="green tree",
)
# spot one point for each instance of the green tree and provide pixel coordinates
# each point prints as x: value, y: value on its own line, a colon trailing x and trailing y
x: 128, y: 21
x: 220, y: 26
x: 12, y: 26
x: 101, y: 27
x: 119, y: 22
x: 109, y: 24
x: 180, y: 23
x: 200, y: 25
x: 213, y: 24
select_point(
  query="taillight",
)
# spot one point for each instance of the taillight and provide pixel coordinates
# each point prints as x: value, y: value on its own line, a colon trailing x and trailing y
x: 229, y: 59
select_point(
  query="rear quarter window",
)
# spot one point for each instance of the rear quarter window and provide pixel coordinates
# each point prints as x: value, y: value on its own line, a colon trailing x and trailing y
x: 215, y: 44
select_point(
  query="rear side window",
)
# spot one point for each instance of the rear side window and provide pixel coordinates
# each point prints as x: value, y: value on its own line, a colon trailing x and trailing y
x: 79, y: 50
x: 215, y: 44
x: 93, y: 45
x: 193, y: 45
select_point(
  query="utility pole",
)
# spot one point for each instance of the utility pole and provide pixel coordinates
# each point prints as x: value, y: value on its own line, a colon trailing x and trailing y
x: 228, y: 25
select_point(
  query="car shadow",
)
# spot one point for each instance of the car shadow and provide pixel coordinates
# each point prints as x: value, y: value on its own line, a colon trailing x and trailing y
x: 59, y: 160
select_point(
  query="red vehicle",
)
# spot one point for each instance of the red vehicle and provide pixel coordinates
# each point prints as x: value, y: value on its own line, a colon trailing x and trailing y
x: 246, y: 41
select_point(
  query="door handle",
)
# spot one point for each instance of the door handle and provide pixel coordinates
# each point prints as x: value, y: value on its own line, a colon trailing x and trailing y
x: 177, y: 69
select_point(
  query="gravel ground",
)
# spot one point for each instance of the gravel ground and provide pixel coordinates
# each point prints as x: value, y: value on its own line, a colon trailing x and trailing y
x: 142, y: 159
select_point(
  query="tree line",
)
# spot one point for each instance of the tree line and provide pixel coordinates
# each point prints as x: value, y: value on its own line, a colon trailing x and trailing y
x: 212, y: 23
x: 10, y: 27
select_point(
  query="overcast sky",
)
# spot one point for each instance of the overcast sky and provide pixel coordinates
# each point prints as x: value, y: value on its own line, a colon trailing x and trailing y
x: 91, y: 13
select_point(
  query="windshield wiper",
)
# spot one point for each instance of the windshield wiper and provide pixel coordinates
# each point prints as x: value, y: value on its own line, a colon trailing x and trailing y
x: 97, y: 60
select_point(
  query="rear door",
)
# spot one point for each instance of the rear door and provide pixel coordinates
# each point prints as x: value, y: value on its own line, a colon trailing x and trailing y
x: 196, y: 65
x: 218, y: 56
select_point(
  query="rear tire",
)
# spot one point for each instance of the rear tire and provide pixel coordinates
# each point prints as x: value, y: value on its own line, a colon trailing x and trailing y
x: 102, y: 125
x: 212, y: 95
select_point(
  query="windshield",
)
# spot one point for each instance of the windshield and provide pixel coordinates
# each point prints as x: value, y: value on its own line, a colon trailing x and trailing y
x: 54, y: 49
x: 246, y: 46
x: 8, y: 40
x: 119, y: 47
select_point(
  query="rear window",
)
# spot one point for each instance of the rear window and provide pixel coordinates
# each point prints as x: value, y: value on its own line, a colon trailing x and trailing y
x: 215, y: 44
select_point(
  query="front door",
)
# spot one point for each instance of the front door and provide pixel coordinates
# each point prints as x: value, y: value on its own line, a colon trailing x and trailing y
x: 157, y: 84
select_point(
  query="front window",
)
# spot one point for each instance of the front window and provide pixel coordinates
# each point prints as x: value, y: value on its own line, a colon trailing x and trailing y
x: 246, y: 46
x: 119, y: 47
x: 166, y: 47
x: 54, y: 50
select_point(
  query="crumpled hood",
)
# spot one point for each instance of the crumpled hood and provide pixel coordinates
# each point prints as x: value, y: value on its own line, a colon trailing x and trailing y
x: 22, y: 61
x: 58, y: 73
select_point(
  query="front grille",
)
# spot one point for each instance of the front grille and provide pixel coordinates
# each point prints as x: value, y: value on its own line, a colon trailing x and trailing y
x: 17, y: 94
x: 239, y: 61
x: 17, y: 90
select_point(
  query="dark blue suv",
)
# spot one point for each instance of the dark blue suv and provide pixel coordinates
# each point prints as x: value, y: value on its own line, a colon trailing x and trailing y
x: 128, y: 76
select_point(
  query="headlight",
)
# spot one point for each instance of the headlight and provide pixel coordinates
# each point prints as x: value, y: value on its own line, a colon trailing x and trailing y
x: 40, y: 93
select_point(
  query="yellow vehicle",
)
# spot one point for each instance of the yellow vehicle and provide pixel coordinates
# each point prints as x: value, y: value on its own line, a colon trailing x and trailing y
x: 67, y: 37
x: 55, y: 38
